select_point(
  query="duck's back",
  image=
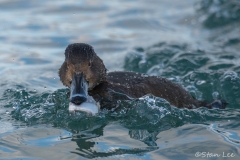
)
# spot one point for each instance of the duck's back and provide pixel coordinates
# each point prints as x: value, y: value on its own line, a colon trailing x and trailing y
x: 126, y: 78
x: 137, y: 85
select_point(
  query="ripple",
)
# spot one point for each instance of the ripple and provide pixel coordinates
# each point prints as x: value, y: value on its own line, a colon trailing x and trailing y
x: 138, y: 24
x: 146, y: 112
x: 219, y: 12
x: 229, y: 136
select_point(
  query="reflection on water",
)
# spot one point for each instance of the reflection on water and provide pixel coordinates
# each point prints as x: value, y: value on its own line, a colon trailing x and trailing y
x: 115, y: 141
x: 229, y: 136
x: 194, y: 43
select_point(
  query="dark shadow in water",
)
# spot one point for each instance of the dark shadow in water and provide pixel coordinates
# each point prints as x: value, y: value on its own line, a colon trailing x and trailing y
x: 85, y: 146
x: 219, y: 12
x: 82, y: 139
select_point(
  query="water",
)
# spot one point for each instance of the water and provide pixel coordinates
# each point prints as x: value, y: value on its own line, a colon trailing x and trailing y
x: 176, y: 40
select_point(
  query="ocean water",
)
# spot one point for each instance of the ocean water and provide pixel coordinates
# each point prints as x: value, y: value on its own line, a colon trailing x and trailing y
x: 193, y: 43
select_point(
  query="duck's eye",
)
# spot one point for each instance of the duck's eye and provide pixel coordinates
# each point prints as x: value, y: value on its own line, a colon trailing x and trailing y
x: 89, y: 64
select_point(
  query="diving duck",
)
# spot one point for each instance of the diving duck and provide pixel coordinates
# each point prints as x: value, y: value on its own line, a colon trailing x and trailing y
x: 86, y: 75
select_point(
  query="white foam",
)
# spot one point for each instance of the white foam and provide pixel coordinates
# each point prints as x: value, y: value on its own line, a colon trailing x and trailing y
x: 90, y: 106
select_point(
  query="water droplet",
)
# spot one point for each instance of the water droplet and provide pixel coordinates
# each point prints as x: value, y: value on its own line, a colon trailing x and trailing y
x: 54, y: 78
x: 45, y: 87
x: 215, y: 95
x: 201, y: 82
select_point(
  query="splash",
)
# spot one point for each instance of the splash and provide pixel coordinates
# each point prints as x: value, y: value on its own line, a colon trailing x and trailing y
x: 146, y: 112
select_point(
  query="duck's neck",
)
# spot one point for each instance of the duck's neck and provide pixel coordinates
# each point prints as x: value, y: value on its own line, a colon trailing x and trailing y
x: 93, y: 86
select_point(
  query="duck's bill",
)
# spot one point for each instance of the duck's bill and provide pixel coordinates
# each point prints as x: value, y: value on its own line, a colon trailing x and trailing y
x: 79, y: 89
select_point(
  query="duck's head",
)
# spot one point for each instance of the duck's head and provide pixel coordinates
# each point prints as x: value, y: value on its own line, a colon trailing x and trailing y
x: 81, y: 71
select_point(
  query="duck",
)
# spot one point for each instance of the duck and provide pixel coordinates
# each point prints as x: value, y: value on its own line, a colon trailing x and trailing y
x: 86, y: 75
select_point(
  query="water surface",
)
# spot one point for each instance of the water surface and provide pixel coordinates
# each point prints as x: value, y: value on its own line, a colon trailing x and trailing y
x: 193, y: 43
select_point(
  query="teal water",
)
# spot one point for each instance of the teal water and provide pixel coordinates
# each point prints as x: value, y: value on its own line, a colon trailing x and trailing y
x: 193, y: 43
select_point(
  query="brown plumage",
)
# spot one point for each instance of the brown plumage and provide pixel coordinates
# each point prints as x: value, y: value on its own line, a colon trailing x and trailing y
x: 107, y: 88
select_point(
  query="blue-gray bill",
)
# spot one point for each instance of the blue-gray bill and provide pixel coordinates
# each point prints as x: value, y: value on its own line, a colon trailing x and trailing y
x: 79, y: 89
